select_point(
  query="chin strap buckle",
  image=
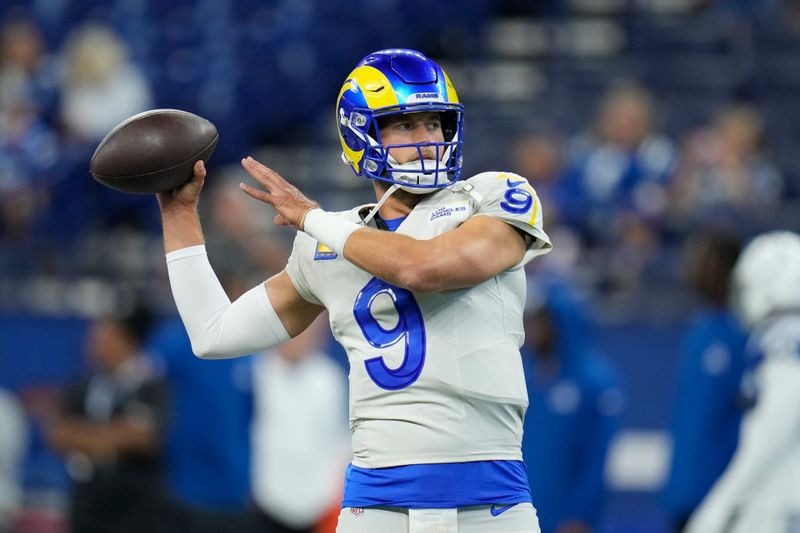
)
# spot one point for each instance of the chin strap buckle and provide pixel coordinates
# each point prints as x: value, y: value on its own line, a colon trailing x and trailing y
x: 463, y: 186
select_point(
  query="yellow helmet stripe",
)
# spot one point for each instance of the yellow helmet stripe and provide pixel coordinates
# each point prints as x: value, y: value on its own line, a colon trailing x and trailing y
x: 353, y: 156
x: 377, y: 92
x: 375, y: 86
x: 452, y: 97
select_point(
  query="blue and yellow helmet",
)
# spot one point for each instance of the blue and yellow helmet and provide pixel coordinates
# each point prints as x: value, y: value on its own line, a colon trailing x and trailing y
x: 390, y: 82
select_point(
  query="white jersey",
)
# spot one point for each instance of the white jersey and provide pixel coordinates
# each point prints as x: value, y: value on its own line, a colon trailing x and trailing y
x: 759, y: 489
x: 434, y: 378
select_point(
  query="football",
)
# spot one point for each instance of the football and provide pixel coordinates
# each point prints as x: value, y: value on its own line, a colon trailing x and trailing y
x: 153, y: 151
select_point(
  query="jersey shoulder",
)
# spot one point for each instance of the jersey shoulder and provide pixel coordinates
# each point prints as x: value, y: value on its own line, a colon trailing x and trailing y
x: 497, y: 182
x: 506, y: 195
x: 509, y: 197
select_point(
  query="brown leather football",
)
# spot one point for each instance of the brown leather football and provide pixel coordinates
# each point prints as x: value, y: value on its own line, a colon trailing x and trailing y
x: 153, y: 151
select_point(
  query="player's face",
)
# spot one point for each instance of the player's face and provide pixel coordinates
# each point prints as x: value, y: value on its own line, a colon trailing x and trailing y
x: 106, y: 344
x: 412, y: 128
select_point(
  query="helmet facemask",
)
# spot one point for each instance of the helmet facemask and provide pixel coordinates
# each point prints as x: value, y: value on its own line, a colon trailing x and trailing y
x: 420, y: 176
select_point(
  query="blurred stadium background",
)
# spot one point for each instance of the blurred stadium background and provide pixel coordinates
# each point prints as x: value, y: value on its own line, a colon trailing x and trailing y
x: 641, y: 122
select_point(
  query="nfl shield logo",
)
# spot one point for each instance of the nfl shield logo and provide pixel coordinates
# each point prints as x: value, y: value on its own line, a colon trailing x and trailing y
x: 357, y: 511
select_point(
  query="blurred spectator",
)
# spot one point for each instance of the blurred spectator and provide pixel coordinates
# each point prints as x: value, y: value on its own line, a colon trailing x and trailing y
x: 707, y: 410
x: 98, y: 89
x: 617, y: 181
x: 575, y: 403
x: 27, y: 73
x: 724, y: 172
x: 207, y: 455
x: 301, y: 441
x: 29, y: 159
x: 12, y: 451
x: 758, y: 490
x: 29, y: 151
x: 101, y: 88
x: 540, y: 157
x: 111, y: 432
x: 622, y: 165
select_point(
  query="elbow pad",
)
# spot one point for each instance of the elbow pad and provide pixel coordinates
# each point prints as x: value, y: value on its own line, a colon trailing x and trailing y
x: 217, y: 328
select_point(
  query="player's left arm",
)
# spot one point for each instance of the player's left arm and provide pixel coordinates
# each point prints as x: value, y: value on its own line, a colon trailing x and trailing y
x: 477, y: 250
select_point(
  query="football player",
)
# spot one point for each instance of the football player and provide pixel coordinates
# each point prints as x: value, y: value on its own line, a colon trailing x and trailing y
x: 759, y: 489
x: 425, y: 290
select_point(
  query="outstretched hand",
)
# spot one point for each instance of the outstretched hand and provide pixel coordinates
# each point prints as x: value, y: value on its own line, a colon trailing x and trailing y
x: 290, y: 204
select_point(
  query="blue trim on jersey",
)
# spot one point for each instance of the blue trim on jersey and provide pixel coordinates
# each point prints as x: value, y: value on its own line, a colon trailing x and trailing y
x: 393, y: 223
x: 437, y: 486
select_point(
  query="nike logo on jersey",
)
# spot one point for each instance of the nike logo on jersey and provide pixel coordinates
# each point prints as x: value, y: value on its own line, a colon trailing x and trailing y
x: 497, y: 510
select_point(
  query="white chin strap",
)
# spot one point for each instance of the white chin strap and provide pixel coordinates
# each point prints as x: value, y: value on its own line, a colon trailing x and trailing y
x: 386, y: 195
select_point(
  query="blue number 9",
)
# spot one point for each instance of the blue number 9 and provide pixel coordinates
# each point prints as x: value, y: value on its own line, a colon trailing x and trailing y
x: 410, y: 328
x: 517, y: 201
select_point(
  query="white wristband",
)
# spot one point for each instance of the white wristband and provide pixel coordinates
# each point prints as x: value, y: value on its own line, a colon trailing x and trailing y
x: 218, y: 328
x: 329, y: 229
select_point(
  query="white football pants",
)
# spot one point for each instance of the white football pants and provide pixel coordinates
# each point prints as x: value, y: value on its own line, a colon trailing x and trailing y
x: 519, y: 518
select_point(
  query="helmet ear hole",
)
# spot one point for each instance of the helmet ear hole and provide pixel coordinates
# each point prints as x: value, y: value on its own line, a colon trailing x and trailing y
x: 376, y: 127
x: 449, y: 124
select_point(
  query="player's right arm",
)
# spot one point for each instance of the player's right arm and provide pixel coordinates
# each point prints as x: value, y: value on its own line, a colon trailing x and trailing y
x: 263, y: 317
x: 294, y: 311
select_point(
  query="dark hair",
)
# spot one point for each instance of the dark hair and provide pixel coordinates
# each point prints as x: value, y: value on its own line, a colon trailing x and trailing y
x: 710, y: 258
x: 136, y: 321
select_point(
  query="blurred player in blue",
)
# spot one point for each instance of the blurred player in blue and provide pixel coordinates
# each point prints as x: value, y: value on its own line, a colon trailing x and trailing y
x: 575, y: 407
x: 759, y: 489
x: 708, y: 410
x: 425, y: 290
x: 207, y: 444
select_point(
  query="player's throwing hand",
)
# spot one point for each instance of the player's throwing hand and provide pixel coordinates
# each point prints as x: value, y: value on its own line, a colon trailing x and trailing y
x: 184, y: 197
x: 284, y: 197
